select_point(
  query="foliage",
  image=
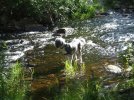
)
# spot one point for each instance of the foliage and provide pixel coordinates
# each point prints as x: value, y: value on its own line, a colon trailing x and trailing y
x: 2, y: 73
x: 47, y: 12
x: 12, y: 84
x: 126, y: 57
x: 127, y: 60
x: 16, y: 83
x: 92, y: 89
x: 71, y: 70
x: 127, y: 84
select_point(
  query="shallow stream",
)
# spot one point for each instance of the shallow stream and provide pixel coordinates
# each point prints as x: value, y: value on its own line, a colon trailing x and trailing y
x: 109, y: 34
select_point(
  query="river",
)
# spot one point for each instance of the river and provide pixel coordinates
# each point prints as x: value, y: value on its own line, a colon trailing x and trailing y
x: 110, y: 35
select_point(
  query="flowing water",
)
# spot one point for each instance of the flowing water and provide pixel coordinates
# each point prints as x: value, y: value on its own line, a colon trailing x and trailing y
x: 109, y: 34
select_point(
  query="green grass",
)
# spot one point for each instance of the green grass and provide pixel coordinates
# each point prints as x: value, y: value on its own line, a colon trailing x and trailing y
x: 69, y: 69
x: 72, y: 69
x: 12, y: 84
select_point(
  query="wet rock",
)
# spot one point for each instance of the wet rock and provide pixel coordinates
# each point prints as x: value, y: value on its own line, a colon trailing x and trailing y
x: 63, y: 31
x: 113, y: 69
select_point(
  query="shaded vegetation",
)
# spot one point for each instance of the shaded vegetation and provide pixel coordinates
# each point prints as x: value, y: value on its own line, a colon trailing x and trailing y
x: 45, y: 12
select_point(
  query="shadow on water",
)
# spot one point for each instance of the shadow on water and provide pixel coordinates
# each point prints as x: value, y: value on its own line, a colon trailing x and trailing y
x: 48, y: 70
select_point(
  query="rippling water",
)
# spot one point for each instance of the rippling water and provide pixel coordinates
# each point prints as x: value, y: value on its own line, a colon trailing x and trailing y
x: 113, y: 32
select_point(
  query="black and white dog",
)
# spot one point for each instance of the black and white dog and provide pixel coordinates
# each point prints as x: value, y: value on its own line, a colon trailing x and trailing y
x: 73, y: 49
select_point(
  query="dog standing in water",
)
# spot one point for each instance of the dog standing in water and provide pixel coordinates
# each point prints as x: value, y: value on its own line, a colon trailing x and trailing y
x: 73, y: 49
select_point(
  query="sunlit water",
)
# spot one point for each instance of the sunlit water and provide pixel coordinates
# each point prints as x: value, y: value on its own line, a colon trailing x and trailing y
x: 110, y: 35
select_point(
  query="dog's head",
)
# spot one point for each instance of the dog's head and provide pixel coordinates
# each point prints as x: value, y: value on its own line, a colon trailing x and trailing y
x: 59, y: 42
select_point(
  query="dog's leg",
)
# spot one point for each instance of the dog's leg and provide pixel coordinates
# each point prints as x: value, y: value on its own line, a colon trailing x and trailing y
x: 76, y: 59
x: 72, y: 58
x: 80, y: 57
x: 79, y: 53
x: 81, y: 61
x: 69, y: 58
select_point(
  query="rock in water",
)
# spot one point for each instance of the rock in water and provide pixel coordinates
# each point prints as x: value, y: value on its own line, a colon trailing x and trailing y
x: 63, y: 31
x: 113, y: 69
